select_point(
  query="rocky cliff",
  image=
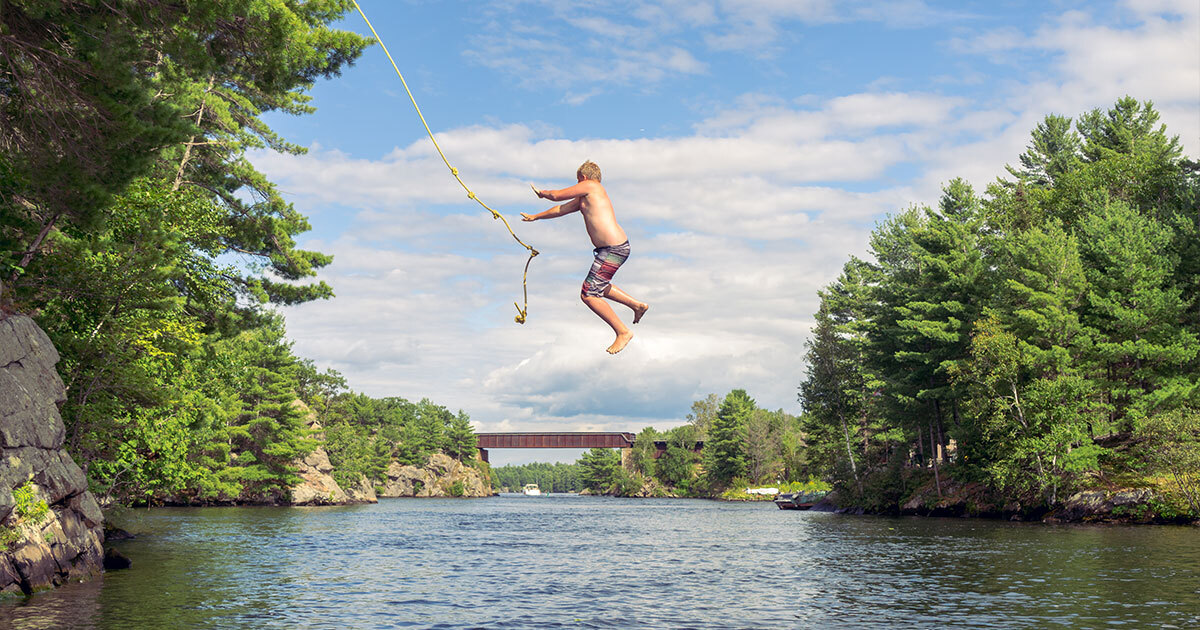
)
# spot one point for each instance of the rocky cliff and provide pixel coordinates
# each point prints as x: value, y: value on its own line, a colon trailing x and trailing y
x: 51, y: 527
x: 443, y: 476
x: 317, y: 486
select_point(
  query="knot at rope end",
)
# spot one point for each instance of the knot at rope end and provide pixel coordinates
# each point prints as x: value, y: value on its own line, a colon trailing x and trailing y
x: 520, y: 318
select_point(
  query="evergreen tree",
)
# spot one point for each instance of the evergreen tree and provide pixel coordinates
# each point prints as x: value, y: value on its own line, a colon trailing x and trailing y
x: 461, y: 443
x: 725, y: 448
x: 676, y: 466
x: 598, y: 469
x: 1135, y: 314
x: 1053, y: 151
x: 269, y: 433
x: 642, y: 456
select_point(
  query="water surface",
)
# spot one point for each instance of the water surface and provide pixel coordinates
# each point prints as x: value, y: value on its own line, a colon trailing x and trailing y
x: 565, y: 561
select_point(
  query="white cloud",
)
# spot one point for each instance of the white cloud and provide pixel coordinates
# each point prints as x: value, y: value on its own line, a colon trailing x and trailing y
x: 735, y: 225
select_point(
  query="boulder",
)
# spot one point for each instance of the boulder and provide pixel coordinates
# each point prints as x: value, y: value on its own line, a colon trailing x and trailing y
x: 63, y: 542
x: 363, y: 491
x: 1099, y: 505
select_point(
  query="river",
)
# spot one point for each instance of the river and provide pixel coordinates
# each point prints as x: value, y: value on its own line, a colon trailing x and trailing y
x: 591, y: 562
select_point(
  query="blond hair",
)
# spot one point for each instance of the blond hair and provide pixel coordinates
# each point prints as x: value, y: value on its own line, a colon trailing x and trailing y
x: 589, y: 170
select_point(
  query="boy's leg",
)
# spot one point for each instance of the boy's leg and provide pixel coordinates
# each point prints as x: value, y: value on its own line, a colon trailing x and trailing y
x: 601, y: 308
x: 621, y: 297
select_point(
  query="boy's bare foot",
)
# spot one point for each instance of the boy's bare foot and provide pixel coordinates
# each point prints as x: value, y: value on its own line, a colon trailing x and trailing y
x: 640, y: 310
x: 621, y: 342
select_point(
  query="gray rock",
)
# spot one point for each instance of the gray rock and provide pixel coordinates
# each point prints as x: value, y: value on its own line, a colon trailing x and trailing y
x: 317, y: 486
x: 436, y: 479
x: 66, y: 543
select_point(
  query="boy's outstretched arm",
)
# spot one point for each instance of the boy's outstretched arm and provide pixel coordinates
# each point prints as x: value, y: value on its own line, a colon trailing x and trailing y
x: 574, y: 192
x: 556, y: 211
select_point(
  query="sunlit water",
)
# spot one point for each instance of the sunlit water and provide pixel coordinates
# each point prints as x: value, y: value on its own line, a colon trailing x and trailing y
x: 587, y: 562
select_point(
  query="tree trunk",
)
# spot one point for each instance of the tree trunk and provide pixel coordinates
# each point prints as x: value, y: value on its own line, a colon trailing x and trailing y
x: 187, y: 147
x: 937, y: 477
x: 849, y: 453
x: 33, y: 248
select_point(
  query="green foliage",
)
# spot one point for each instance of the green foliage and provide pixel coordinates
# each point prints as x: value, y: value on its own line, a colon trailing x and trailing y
x: 557, y: 477
x: 1022, y: 334
x: 626, y: 483
x: 28, y: 510
x: 598, y: 469
x: 1170, y: 444
x: 642, y: 456
x: 676, y: 466
x: 456, y: 489
x: 28, y: 507
x: 364, y: 435
x: 725, y: 449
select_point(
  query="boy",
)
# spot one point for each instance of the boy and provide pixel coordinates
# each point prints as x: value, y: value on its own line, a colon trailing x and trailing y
x: 612, y: 247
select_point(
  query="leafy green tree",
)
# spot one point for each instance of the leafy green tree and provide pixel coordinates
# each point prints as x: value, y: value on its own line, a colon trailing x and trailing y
x: 1054, y: 151
x: 598, y: 469
x: 98, y: 94
x: 1171, y: 445
x: 725, y: 449
x: 764, y: 430
x: 836, y: 391
x: 1135, y: 314
x: 642, y: 456
x: 1037, y: 423
x: 269, y: 433
x: 704, y: 412
x: 461, y: 443
x: 676, y: 466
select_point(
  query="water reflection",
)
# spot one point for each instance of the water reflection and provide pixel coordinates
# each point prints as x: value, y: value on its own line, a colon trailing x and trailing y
x: 517, y: 562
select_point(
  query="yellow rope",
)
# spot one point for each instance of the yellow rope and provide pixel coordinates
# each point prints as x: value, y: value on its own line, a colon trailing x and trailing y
x: 521, y: 312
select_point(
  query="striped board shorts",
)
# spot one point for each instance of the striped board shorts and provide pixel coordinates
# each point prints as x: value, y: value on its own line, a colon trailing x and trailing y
x: 608, y: 260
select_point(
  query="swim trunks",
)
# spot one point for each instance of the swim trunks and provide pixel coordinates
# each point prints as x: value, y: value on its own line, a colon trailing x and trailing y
x: 608, y: 260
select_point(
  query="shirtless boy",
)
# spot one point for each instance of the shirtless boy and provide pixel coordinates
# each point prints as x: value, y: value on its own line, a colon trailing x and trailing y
x: 612, y: 247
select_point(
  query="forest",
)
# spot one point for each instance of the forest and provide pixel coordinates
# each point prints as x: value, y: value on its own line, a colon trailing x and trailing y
x: 136, y: 232
x: 1038, y: 338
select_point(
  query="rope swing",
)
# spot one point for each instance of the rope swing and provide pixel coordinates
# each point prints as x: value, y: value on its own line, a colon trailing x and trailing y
x: 521, y: 312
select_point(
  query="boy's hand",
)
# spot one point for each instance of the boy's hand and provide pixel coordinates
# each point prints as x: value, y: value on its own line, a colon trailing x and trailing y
x: 527, y: 217
x: 536, y: 191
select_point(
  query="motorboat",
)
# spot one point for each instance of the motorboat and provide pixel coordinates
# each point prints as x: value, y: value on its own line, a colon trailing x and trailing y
x: 531, y: 489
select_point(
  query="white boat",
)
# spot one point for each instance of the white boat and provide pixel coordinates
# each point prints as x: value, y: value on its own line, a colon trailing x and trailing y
x: 531, y: 489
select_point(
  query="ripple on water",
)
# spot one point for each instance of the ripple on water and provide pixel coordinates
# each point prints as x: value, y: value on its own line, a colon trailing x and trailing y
x: 577, y: 562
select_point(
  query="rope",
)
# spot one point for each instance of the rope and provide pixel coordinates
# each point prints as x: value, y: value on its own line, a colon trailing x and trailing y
x: 521, y: 312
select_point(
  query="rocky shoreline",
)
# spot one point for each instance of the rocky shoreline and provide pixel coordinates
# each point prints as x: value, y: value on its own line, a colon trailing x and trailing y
x: 52, y: 527
x: 1117, y: 506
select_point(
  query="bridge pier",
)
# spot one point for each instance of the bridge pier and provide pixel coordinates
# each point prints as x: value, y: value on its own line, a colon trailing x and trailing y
x: 483, y: 455
x: 627, y: 458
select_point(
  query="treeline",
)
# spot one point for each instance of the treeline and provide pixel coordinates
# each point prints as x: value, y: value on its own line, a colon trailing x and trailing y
x: 136, y: 232
x: 557, y: 477
x: 1038, y: 338
x: 364, y: 435
x: 742, y: 445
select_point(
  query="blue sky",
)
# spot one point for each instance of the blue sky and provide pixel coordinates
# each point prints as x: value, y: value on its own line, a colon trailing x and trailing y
x: 749, y: 147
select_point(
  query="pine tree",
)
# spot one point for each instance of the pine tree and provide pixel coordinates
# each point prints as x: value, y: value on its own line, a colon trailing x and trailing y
x: 269, y: 432
x: 598, y: 469
x: 1135, y: 313
x: 460, y: 440
x: 725, y: 449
